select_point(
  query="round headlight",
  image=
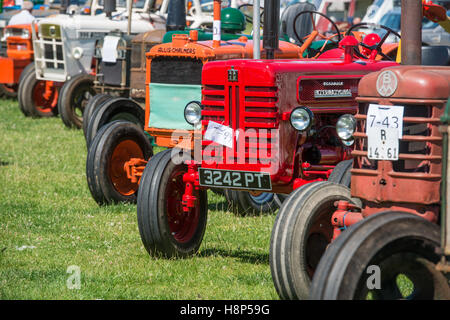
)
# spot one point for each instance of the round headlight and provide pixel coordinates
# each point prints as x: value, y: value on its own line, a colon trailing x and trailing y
x: 193, y: 112
x: 345, y: 126
x: 25, y: 34
x: 77, y: 52
x: 301, y: 118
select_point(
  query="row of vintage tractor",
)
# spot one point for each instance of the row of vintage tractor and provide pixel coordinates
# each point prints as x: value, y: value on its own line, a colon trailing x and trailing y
x: 327, y: 127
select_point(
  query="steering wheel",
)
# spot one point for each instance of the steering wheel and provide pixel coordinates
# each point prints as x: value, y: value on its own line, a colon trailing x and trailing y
x: 249, y: 18
x: 310, y: 38
x: 311, y: 14
x: 377, y: 46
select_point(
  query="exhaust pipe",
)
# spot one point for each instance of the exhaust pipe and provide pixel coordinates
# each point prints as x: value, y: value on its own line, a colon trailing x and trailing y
x: 271, y: 22
x: 411, y: 26
x: 216, y: 24
x: 64, y: 5
x: 176, y: 15
x: 256, y: 29
x: 130, y: 13
x: 109, y: 7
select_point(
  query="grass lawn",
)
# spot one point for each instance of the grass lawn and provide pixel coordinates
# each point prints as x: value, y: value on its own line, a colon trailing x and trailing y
x: 45, y: 204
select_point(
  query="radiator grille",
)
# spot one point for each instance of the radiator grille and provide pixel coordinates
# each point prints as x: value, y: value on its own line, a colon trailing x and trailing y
x: 415, y: 147
x: 176, y: 70
x: 251, y: 110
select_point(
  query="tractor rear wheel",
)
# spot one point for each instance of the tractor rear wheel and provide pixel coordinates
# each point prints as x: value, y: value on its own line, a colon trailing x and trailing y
x: 35, y: 100
x: 248, y: 203
x: 300, y: 235
x: 390, y: 255
x: 74, y: 95
x: 165, y: 229
x: 91, y: 106
x: 114, y: 109
x: 114, y: 145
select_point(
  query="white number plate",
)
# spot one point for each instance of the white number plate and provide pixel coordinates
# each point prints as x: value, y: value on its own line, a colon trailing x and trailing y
x: 235, y: 179
x: 384, y: 127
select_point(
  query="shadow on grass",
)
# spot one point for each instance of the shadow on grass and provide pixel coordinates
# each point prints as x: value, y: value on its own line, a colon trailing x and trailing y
x: 243, y: 255
x: 219, y: 206
x: 4, y: 163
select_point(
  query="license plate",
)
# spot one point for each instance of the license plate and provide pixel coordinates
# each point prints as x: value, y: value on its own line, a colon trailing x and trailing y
x: 235, y: 179
x: 384, y: 128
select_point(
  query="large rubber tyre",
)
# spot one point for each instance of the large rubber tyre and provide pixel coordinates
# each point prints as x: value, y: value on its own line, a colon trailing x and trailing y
x: 115, y: 144
x: 8, y: 91
x: 29, y: 68
x: 300, y: 235
x: 164, y: 228
x: 74, y: 95
x: 111, y: 110
x: 341, y: 173
x: 32, y: 98
x: 395, y: 242
x: 244, y: 203
x: 93, y: 104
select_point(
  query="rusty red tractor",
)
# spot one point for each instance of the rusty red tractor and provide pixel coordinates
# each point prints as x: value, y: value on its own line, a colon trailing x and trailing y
x: 262, y: 125
x: 392, y: 210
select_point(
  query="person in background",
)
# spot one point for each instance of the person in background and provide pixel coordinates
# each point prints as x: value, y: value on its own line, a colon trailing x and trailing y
x: 24, y: 16
x: 356, y: 20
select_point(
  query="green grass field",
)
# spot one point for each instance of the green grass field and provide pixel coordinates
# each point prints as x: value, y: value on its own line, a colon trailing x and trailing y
x: 45, y: 204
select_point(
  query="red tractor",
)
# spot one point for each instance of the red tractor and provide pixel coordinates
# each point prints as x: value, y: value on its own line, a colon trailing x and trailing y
x: 381, y: 236
x: 262, y: 125
x: 397, y: 194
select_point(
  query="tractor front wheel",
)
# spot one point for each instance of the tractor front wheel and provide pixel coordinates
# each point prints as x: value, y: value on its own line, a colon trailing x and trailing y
x: 112, y: 110
x: 388, y: 256
x: 301, y: 234
x: 74, y: 95
x: 250, y: 203
x: 37, y: 97
x: 115, y: 145
x: 28, y: 69
x: 165, y: 228
x: 91, y: 106
x: 341, y: 173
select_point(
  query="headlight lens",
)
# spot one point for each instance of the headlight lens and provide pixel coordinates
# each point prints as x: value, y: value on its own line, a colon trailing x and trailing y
x: 25, y: 34
x: 77, y: 53
x: 193, y: 112
x: 8, y: 33
x: 301, y: 118
x: 345, y: 126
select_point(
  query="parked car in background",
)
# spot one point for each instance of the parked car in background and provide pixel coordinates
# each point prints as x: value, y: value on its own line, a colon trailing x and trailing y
x: 432, y: 32
x: 378, y: 9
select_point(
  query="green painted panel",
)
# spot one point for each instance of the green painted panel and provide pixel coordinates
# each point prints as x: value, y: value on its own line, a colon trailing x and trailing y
x: 167, y: 102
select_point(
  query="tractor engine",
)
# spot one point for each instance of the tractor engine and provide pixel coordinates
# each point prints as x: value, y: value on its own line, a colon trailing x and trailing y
x: 123, y: 73
x: 112, y: 68
x: 398, y: 150
x: 174, y: 79
x: 279, y: 118
x: 65, y: 45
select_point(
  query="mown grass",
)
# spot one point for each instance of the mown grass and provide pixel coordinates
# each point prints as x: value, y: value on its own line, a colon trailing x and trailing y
x: 45, y: 203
